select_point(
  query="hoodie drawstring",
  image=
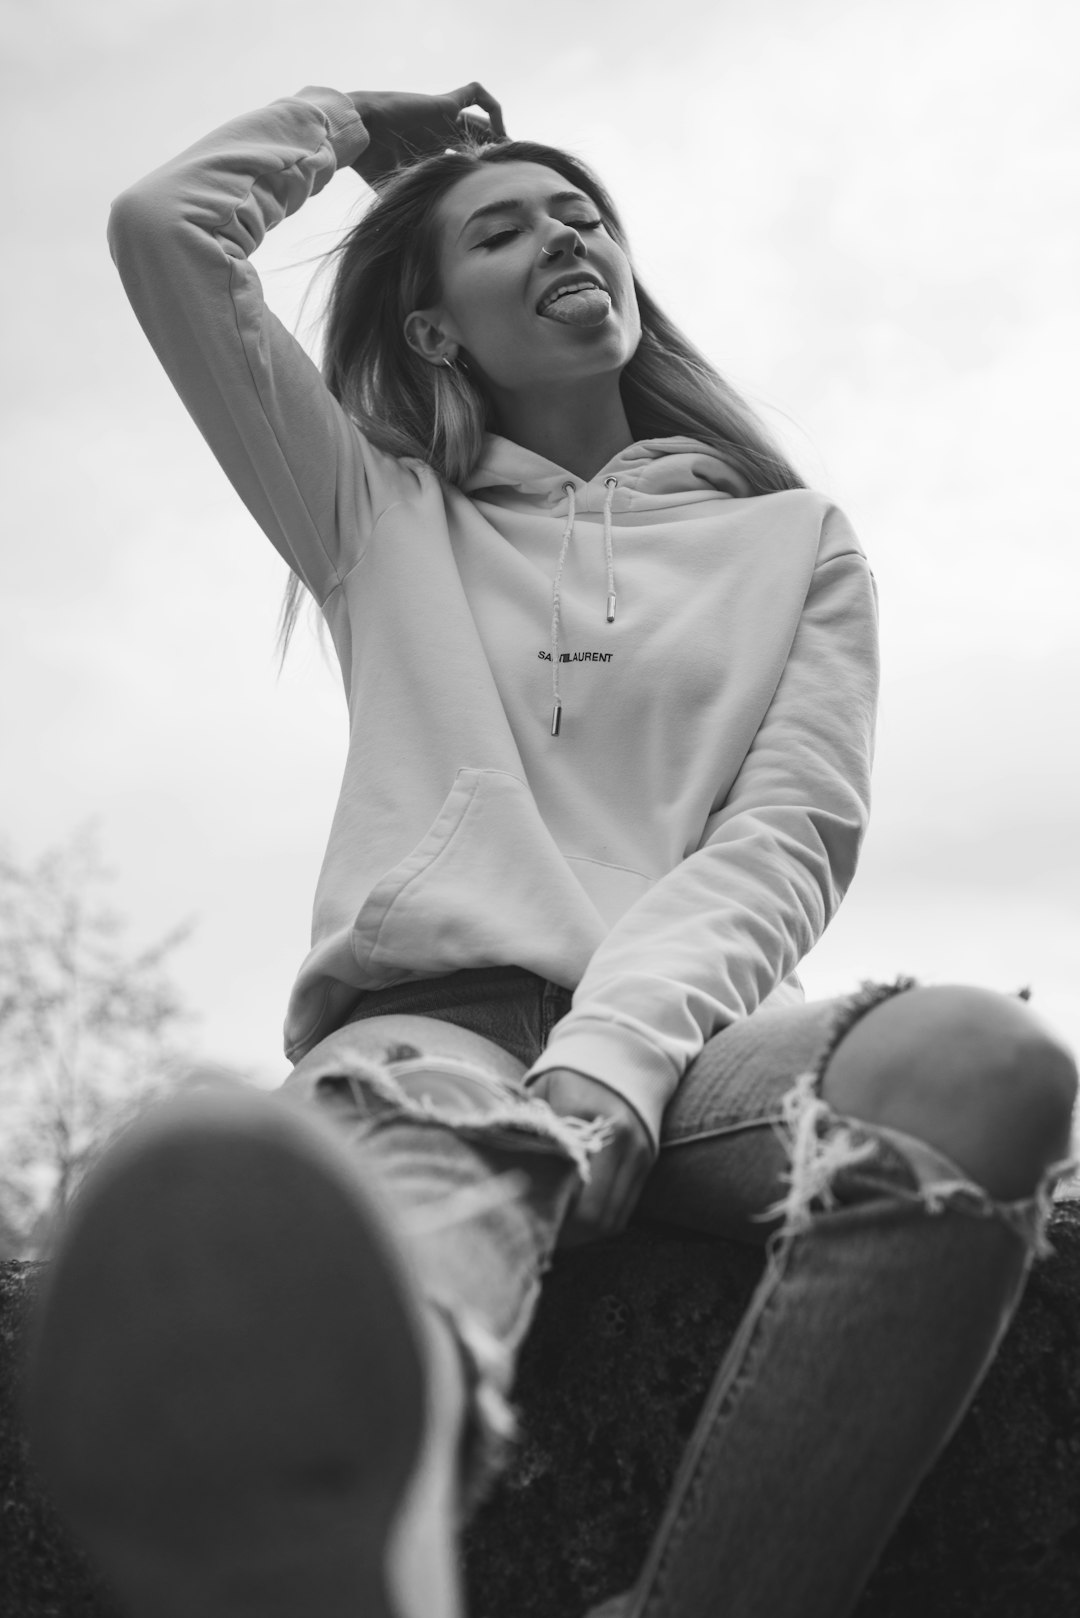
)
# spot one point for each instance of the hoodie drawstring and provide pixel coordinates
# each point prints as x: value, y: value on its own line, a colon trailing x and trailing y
x: 612, y: 485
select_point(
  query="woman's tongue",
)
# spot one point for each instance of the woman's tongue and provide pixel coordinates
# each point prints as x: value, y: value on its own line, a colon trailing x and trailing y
x: 588, y: 307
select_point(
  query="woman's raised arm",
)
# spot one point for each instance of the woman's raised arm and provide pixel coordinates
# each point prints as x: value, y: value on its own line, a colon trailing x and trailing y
x: 182, y: 240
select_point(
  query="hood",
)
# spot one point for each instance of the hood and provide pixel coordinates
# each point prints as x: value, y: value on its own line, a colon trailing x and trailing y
x: 660, y: 471
x: 652, y: 466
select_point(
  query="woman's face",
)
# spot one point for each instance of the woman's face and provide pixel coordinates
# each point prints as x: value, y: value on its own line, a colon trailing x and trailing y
x: 509, y: 232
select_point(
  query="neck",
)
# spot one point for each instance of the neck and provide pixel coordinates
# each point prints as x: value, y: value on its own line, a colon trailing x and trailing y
x: 581, y: 431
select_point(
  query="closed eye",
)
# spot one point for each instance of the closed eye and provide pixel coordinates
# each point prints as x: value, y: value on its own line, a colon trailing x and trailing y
x: 580, y: 224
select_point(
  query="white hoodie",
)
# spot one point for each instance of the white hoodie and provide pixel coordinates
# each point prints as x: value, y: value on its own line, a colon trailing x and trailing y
x: 682, y: 842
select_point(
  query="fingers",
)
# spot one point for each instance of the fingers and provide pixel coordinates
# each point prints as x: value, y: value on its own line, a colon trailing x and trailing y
x: 494, y: 112
x: 588, y: 1219
x: 617, y: 1172
x: 603, y: 1209
x: 474, y: 94
x: 623, y: 1192
x: 604, y: 1205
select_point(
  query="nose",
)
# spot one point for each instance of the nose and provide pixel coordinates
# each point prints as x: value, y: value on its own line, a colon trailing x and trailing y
x: 565, y: 236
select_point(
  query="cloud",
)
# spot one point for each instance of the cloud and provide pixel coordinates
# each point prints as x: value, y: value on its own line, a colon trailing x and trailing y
x: 868, y: 216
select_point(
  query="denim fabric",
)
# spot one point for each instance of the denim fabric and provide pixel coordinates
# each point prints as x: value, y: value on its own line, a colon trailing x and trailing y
x: 890, y: 1276
x: 477, y: 1174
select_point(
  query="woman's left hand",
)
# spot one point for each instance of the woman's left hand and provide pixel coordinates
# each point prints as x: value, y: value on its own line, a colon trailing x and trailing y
x: 617, y: 1172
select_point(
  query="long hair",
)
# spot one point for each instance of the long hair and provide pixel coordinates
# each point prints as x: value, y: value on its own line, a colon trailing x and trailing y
x: 387, y: 265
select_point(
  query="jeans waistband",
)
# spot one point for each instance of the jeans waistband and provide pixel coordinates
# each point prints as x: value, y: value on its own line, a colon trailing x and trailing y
x: 470, y: 983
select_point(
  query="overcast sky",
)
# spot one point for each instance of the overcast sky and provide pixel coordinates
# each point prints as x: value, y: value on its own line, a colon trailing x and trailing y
x: 867, y: 214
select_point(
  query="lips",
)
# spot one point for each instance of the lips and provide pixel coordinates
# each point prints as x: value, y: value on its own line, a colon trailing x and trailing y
x: 579, y: 279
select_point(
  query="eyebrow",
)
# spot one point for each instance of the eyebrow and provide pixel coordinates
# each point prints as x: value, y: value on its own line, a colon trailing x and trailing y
x: 510, y: 203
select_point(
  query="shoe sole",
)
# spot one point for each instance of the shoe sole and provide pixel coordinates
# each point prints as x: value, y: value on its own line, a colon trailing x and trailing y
x: 227, y: 1379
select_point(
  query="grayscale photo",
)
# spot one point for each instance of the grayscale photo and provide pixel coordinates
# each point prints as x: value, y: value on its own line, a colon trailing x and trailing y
x: 539, y: 895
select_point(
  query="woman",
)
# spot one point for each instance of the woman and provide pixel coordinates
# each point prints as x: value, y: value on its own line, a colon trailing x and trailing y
x: 611, y: 672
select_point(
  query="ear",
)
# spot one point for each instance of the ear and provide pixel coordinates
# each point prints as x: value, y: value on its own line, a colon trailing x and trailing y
x: 426, y: 338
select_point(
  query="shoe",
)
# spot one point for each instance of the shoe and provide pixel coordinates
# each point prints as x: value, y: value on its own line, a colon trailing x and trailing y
x: 235, y: 1395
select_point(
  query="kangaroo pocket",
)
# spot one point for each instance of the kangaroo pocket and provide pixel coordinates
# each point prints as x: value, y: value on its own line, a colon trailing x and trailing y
x: 486, y: 886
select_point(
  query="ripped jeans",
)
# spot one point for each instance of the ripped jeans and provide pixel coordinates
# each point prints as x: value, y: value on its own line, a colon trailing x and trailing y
x: 890, y: 1277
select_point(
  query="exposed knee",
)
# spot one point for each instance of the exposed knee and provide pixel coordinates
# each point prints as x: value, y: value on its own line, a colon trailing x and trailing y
x: 976, y: 1074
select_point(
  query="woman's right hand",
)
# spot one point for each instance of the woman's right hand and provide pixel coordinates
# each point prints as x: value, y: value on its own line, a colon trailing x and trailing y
x: 404, y: 127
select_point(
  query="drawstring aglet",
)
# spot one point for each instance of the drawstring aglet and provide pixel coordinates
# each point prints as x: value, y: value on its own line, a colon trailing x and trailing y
x: 611, y: 608
x: 556, y: 718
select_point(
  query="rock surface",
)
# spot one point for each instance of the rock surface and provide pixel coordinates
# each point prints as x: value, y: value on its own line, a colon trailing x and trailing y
x: 615, y: 1369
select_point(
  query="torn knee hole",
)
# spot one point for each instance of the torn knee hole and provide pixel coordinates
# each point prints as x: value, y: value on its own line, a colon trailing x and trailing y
x: 452, y: 1095
x: 852, y: 1010
x: 819, y: 1145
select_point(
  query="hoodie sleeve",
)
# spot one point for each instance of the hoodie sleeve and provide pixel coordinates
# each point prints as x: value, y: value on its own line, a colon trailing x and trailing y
x: 182, y: 240
x: 709, y: 941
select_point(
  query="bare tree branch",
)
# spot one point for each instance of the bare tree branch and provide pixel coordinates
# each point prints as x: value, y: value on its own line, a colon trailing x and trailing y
x: 89, y: 1026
